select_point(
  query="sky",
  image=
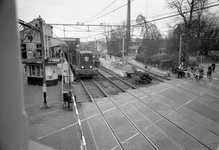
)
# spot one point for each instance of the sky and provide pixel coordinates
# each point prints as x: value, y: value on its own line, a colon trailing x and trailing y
x: 73, y: 11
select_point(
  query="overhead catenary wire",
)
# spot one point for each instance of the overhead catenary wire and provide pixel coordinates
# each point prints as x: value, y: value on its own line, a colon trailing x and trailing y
x: 100, y: 11
x: 166, y: 17
x: 147, y: 17
x: 162, y: 18
x: 110, y: 12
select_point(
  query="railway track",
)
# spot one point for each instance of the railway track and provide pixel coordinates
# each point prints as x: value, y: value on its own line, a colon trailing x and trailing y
x: 171, y: 122
x: 126, y: 115
x: 116, y: 80
x: 149, y: 144
x: 214, y: 132
x: 94, y: 90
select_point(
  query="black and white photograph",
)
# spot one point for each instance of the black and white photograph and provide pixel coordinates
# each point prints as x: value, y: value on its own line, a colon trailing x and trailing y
x: 109, y: 75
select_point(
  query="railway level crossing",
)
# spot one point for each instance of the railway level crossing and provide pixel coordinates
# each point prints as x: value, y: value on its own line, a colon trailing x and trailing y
x: 174, y: 112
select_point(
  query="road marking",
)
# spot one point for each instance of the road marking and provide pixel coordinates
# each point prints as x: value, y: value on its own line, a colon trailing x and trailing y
x: 109, y: 109
x: 64, y: 128
x: 123, y: 104
x: 114, y: 147
x: 130, y: 138
x: 133, y: 101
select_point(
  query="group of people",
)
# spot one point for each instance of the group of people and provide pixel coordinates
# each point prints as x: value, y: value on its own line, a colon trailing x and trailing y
x: 198, y: 72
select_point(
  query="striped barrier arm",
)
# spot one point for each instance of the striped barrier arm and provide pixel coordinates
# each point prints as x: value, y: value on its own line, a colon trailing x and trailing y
x: 81, y: 134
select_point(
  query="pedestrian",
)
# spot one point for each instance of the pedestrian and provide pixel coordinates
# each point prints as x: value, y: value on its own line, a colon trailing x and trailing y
x: 209, y: 73
x: 213, y: 66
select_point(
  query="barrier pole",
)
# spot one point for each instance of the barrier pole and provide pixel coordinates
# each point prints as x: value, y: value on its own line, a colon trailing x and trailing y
x: 82, y: 139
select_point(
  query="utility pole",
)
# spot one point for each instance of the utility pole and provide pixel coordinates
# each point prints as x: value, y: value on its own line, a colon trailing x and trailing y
x: 180, y: 47
x: 43, y: 61
x: 128, y: 26
x: 123, y: 51
x: 69, y: 68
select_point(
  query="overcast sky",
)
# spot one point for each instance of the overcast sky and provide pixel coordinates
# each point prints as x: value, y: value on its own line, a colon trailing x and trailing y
x: 73, y: 11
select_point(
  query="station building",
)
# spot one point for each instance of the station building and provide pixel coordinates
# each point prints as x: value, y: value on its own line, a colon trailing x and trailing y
x: 31, y: 53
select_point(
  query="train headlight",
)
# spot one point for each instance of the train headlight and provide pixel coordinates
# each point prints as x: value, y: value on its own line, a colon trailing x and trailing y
x: 90, y: 66
x: 82, y: 67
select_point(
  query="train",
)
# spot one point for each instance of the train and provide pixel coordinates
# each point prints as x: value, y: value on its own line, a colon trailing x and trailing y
x: 84, y: 65
x: 83, y: 61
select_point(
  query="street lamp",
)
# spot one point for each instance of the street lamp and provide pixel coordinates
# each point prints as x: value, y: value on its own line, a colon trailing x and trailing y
x: 180, y: 47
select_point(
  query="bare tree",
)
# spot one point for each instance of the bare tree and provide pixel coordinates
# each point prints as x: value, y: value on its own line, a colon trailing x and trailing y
x: 114, y: 38
x: 150, y: 37
x: 190, y: 11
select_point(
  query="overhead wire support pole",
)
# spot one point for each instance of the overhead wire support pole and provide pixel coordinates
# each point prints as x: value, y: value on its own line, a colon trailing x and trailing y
x: 43, y: 62
x: 128, y: 27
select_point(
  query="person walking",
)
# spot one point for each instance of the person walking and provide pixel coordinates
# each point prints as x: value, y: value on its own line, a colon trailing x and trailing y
x: 209, y: 73
x: 213, y: 67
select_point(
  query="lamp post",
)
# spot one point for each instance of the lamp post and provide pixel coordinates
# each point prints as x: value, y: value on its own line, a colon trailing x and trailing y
x: 180, y: 47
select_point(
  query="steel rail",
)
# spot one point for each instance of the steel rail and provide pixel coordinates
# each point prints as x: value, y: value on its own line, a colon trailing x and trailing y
x: 172, y: 121
x: 134, y: 125
x: 132, y: 86
x: 207, y: 128
x: 103, y: 117
x: 216, y: 133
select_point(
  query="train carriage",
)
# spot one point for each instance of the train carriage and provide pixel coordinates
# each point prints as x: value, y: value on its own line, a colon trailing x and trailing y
x: 85, y: 66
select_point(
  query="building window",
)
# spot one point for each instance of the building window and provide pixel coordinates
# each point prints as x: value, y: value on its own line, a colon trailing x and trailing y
x: 41, y: 70
x: 23, y: 51
x: 30, y: 38
x: 36, y: 25
x: 30, y: 70
x: 38, y: 70
x: 33, y: 70
x: 38, y: 45
x: 23, y: 46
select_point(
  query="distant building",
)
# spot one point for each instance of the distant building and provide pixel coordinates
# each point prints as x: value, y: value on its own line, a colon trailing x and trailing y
x: 134, y: 45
